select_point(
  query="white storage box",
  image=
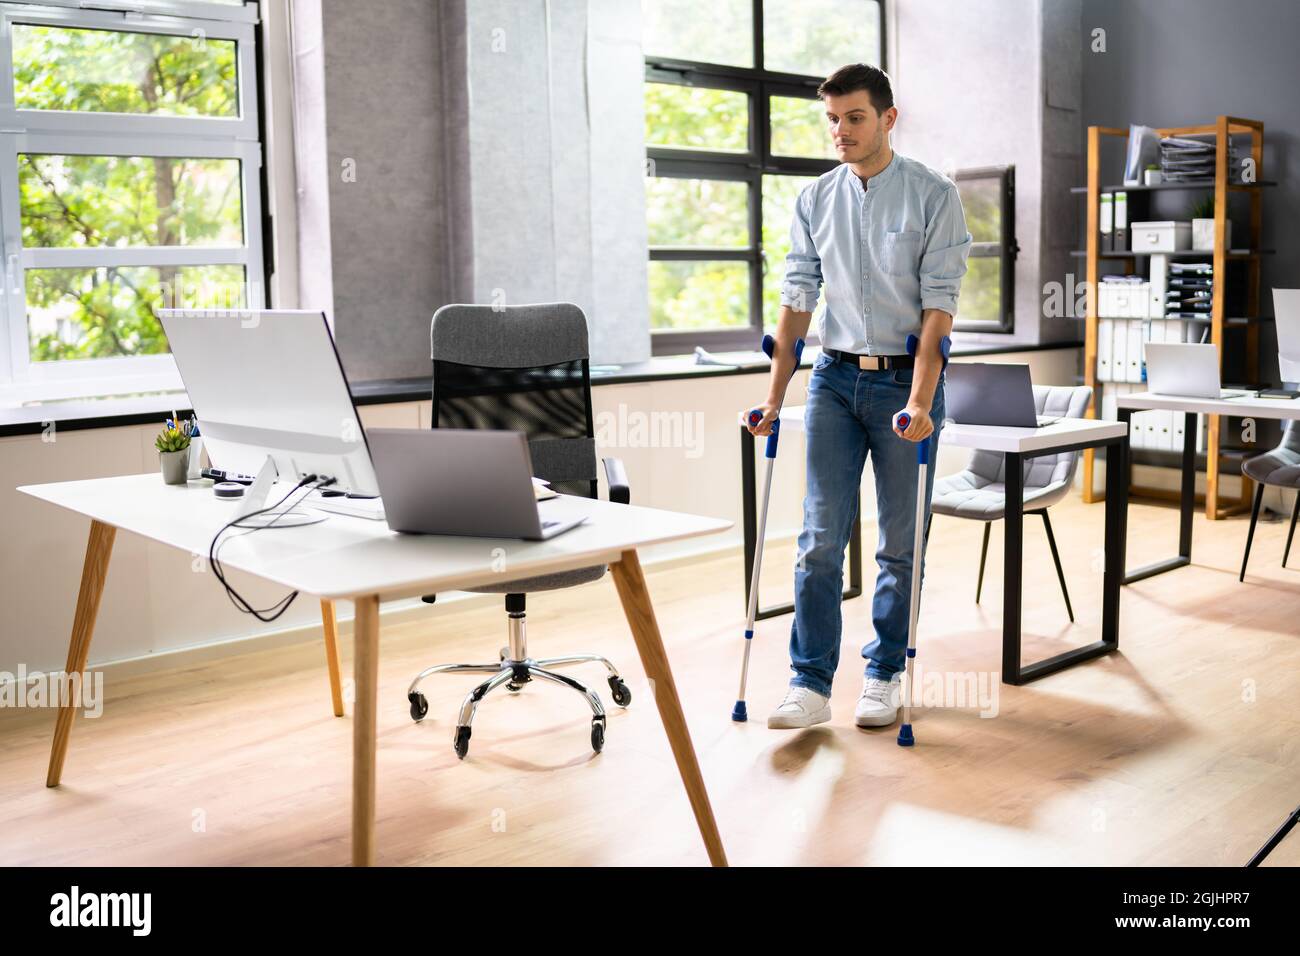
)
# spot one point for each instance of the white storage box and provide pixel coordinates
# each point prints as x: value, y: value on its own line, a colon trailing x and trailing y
x: 1165, y: 236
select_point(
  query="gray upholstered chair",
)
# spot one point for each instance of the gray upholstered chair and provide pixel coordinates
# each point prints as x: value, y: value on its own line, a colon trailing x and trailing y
x: 1279, y: 467
x: 979, y: 493
x: 523, y: 368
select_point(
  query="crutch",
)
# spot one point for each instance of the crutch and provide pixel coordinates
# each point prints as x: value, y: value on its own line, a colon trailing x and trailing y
x: 901, y: 421
x: 753, y: 417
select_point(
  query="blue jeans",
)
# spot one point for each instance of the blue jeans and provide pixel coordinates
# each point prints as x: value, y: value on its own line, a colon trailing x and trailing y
x: 850, y: 413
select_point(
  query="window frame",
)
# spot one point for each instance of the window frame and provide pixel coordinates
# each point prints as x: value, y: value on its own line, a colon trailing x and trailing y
x: 71, y: 132
x: 1007, y: 248
x: 749, y: 167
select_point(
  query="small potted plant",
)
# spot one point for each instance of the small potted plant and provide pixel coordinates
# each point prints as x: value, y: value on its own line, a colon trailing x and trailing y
x: 1203, y: 226
x: 1152, y: 173
x: 173, y: 446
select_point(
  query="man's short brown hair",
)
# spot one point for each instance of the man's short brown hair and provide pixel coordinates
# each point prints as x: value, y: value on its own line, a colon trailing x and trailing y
x: 860, y: 76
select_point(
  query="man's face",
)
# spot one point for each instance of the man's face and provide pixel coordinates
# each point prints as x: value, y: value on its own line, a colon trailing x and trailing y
x: 856, y: 129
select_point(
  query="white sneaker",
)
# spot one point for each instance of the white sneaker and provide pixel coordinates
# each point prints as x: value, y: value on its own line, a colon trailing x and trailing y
x: 878, y: 705
x: 801, y: 708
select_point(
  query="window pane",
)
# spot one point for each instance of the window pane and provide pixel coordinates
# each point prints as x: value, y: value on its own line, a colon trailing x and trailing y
x: 816, y: 37
x: 708, y: 31
x: 981, y: 290
x: 699, y: 295
x: 105, y: 312
x: 779, y: 194
x: 799, y: 128
x: 694, y: 118
x: 105, y: 71
x: 129, y: 201
x: 697, y: 212
x: 981, y: 199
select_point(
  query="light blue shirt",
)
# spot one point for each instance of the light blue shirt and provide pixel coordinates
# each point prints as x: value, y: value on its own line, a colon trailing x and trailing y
x: 884, y: 252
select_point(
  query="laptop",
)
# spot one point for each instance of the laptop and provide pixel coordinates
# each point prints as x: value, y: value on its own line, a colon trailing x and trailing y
x: 1186, y: 369
x: 469, y: 481
x: 992, y: 393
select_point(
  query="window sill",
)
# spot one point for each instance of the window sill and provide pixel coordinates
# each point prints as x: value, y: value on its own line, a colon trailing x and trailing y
x: 35, y: 416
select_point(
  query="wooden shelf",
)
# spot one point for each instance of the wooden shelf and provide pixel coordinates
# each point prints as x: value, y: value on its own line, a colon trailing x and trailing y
x: 1245, y: 328
x: 1196, y: 184
x: 1180, y: 254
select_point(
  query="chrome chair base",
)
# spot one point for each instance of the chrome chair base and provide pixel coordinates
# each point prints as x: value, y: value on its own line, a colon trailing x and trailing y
x: 515, y: 669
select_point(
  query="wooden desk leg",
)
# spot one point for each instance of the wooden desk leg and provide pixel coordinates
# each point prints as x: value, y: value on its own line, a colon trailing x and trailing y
x: 99, y: 547
x: 630, y: 582
x: 330, y: 624
x: 366, y: 674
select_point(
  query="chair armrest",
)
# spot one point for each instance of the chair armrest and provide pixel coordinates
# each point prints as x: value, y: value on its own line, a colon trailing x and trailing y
x: 616, y: 476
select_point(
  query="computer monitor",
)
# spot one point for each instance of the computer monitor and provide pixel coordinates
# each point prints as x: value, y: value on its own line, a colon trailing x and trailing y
x: 1286, y: 312
x: 267, y: 385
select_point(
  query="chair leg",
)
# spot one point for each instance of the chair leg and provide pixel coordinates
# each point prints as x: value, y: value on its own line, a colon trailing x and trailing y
x: 984, y: 553
x: 1295, y: 513
x: 1056, y: 559
x: 1250, y: 535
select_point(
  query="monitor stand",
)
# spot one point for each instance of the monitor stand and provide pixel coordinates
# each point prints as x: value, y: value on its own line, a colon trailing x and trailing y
x: 255, y: 500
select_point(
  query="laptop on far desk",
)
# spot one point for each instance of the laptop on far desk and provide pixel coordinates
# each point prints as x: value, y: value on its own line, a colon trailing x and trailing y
x: 1186, y: 370
x: 992, y: 393
x: 467, y: 481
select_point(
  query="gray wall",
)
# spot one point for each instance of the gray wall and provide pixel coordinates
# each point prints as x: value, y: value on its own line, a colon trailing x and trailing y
x: 1184, y: 62
x: 383, y: 90
x: 991, y: 83
x: 499, y: 158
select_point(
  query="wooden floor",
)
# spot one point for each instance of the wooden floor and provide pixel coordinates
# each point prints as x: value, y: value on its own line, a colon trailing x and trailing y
x: 1183, y: 748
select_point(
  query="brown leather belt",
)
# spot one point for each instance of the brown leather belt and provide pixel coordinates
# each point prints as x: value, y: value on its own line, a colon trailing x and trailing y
x: 873, y: 362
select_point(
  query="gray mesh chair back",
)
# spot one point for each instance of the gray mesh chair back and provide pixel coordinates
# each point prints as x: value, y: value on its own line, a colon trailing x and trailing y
x: 524, y: 368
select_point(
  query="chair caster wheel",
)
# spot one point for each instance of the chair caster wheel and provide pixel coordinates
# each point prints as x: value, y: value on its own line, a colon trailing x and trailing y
x: 619, y: 690
x: 462, y: 742
x: 514, y: 688
x: 419, y: 706
x: 597, y: 735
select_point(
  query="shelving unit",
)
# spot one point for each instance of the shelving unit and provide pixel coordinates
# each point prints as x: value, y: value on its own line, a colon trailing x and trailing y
x: 1244, y: 327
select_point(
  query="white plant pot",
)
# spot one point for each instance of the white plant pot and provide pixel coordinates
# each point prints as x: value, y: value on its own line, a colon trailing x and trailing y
x: 1203, y: 235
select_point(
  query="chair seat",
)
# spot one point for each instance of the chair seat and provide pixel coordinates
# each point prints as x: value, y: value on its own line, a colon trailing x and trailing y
x: 1281, y: 466
x: 545, y: 582
x: 969, y: 495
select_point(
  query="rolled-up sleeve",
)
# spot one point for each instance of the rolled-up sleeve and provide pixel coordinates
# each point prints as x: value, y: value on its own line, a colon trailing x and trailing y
x: 803, y: 267
x: 943, y: 260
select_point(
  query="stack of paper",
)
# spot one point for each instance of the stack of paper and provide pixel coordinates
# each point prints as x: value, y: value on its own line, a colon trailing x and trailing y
x: 1184, y: 159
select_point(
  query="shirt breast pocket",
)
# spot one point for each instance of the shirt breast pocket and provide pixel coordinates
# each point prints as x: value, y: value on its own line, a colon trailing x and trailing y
x: 901, y: 255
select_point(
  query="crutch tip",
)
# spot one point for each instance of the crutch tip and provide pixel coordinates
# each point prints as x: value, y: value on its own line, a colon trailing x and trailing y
x: 738, y: 713
x: 905, y: 738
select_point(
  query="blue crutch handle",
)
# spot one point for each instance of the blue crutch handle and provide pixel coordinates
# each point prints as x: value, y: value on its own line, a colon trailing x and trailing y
x: 756, y: 415
x: 902, y: 419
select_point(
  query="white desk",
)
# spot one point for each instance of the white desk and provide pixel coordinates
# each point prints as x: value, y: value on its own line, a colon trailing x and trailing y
x: 1191, y: 407
x: 361, y: 560
x: 1016, y: 444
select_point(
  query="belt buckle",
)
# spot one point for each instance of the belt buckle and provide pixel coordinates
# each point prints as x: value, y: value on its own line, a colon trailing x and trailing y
x: 869, y: 363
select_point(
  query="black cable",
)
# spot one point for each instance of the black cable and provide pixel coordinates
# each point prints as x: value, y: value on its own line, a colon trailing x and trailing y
x: 273, y: 612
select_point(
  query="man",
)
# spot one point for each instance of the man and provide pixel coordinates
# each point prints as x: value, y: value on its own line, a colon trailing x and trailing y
x: 887, y: 238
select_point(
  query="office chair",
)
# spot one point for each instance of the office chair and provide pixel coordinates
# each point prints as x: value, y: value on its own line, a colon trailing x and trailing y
x: 525, y: 368
x: 978, y: 492
x: 1279, y: 467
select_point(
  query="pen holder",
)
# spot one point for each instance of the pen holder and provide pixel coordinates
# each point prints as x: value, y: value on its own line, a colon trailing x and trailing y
x: 196, y: 458
x: 175, y: 466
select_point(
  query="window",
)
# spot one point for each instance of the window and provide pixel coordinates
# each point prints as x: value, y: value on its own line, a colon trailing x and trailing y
x: 130, y: 179
x: 987, y: 301
x: 734, y: 131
